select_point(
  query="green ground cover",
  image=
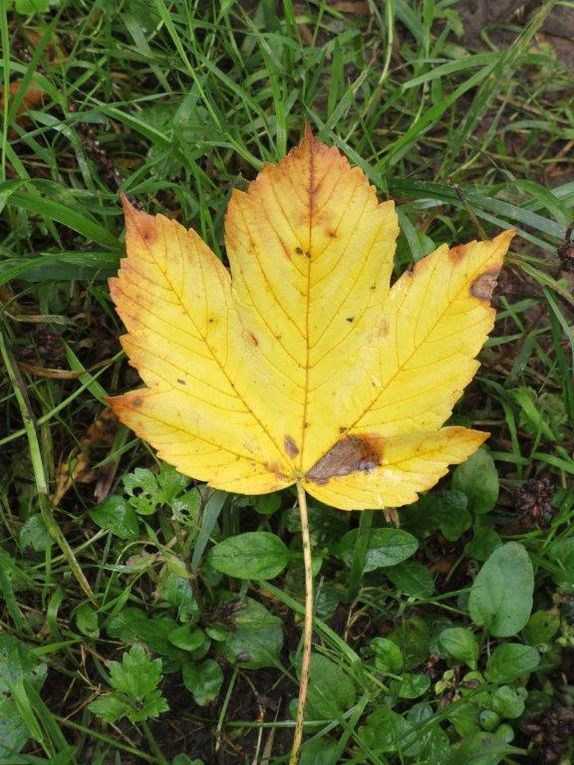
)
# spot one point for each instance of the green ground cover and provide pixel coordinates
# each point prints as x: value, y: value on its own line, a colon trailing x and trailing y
x: 124, y: 636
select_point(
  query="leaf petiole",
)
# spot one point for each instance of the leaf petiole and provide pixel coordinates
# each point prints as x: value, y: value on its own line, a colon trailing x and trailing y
x: 307, y: 628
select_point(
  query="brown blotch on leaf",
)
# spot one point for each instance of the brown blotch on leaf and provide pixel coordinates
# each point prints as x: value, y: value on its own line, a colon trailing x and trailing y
x: 180, y: 381
x: 332, y: 234
x: 457, y: 253
x: 142, y: 224
x: 290, y: 446
x: 298, y: 250
x: 352, y: 454
x: 146, y: 229
x: 483, y: 286
x: 350, y: 319
x: 137, y: 401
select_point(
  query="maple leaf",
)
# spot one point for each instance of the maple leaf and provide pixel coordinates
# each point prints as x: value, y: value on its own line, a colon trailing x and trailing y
x: 302, y: 364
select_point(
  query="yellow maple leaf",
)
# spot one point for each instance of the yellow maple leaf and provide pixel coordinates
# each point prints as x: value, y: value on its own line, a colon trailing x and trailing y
x: 303, y: 365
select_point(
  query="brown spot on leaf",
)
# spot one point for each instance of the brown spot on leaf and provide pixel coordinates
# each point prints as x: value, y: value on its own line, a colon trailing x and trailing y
x: 298, y: 250
x: 457, y: 253
x: 332, y: 234
x: 137, y: 401
x: 350, y: 319
x: 383, y: 329
x: 252, y: 339
x: 352, y: 454
x: 484, y: 284
x: 180, y: 381
x: 277, y: 472
x: 290, y: 446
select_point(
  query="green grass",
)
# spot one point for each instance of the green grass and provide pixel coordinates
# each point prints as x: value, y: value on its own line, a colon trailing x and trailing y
x: 176, y: 104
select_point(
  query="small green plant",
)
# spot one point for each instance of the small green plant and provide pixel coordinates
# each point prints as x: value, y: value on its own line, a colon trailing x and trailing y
x: 136, y: 695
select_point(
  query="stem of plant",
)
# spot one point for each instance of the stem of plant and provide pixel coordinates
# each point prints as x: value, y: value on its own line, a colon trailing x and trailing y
x: 307, y: 629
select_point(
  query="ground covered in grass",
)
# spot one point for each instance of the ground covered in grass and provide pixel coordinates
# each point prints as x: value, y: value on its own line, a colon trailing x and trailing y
x: 121, y: 641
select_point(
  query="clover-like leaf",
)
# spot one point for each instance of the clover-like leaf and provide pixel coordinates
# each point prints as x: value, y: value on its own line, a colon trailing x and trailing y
x: 302, y: 364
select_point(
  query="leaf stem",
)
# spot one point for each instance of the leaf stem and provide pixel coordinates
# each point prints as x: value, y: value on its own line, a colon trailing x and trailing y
x: 360, y: 553
x: 307, y: 629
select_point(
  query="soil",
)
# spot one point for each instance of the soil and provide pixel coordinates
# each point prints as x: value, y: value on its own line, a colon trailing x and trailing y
x: 558, y: 29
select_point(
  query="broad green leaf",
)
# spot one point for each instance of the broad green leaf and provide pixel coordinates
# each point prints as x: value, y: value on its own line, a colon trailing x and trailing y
x: 485, y: 541
x: 303, y: 364
x: 331, y: 690
x: 489, y: 719
x: 388, y: 655
x: 319, y: 751
x: 256, y: 638
x: 177, y: 590
x: 412, y: 686
x: 203, y: 680
x: 459, y: 644
x: 254, y: 555
x: 87, y: 620
x: 508, y: 702
x: 386, y: 547
x: 478, y: 479
x: 411, y: 578
x: 480, y: 749
x: 118, y: 516
x: 413, y: 638
x: 132, y: 624
x: 501, y: 595
x: 541, y: 627
x: 34, y: 533
x: 464, y: 717
x: 268, y: 504
x: 386, y: 731
x: 510, y: 661
x: 187, y: 637
x: 450, y: 514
